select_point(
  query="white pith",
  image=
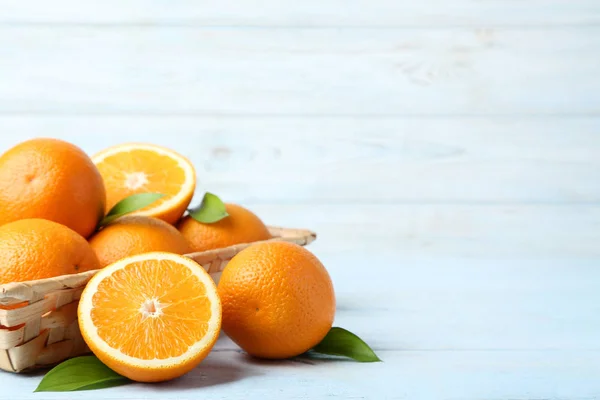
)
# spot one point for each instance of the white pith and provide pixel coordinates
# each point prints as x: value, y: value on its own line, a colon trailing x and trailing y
x: 86, y: 305
x: 152, y: 308
x: 187, y: 187
x: 135, y: 180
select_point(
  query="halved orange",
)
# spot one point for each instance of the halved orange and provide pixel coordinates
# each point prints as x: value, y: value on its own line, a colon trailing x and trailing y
x: 151, y: 317
x: 133, y: 168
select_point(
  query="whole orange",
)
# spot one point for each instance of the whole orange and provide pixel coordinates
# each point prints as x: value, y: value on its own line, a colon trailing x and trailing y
x: 135, y: 234
x: 241, y: 226
x: 37, y: 248
x: 54, y: 180
x: 278, y: 300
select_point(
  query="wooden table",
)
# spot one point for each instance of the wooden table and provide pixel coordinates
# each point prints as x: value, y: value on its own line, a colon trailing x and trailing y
x: 446, y: 153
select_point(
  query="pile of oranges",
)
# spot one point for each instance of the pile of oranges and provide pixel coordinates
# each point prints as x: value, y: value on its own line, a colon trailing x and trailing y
x: 150, y: 313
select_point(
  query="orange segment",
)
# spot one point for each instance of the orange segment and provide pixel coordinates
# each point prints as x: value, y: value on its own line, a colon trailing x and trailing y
x: 141, y: 168
x: 151, y: 317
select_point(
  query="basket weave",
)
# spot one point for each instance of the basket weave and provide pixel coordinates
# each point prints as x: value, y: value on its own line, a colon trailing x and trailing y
x: 42, y: 329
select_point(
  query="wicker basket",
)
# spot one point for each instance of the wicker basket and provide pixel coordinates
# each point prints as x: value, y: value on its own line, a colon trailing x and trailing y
x: 39, y: 318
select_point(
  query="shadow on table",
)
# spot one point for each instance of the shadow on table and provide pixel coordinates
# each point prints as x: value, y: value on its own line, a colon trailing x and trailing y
x: 309, y: 359
x: 213, y: 371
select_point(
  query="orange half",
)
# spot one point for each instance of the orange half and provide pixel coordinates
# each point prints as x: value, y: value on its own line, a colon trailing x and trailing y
x: 151, y: 317
x: 141, y: 168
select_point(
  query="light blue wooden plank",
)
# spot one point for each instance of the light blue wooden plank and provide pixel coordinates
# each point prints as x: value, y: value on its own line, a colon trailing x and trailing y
x: 440, y: 231
x: 403, y: 375
x: 373, y: 13
x: 400, y: 303
x: 358, y: 160
x: 313, y: 72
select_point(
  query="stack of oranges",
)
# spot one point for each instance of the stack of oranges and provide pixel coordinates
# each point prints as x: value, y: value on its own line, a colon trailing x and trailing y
x: 151, y: 313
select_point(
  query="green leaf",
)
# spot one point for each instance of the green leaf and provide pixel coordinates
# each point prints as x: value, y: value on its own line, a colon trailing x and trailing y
x: 130, y: 204
x: 340, y: 342
x: 80, y: 373
x: 210, y: 210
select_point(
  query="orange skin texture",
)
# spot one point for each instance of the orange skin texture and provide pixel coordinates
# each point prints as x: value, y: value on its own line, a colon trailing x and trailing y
x: 241, y: 226
x: 36, y: 249
x: 136, y: 234
x: 278, y: 300
x: 53, y: 180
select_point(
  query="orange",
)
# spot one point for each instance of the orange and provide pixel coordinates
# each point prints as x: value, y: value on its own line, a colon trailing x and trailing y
x: 135, y: 234
x: 241, y: 226
x: 278, y: 300
x: 54, y: 180
x: 138, y: 168
x: 151, y: 317
x: 37, y: 248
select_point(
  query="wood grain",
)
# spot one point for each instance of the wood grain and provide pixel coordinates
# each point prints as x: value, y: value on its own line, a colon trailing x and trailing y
x: 358, y: 160
x: 396, y: 302
x: 313, y: 72
x: 441, y: 231
x: 446, y: 153
x: 334, y: 13
x: 569, y: 375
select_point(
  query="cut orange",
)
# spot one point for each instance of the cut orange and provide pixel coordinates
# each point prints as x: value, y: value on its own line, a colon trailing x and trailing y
x: 151, y: 317
x: 141, y: 168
